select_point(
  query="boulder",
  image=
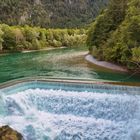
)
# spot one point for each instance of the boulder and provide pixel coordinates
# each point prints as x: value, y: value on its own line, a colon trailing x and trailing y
x: 7, y: 133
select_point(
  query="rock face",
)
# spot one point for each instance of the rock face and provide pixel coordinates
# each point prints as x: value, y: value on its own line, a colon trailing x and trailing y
x: 7, y: 133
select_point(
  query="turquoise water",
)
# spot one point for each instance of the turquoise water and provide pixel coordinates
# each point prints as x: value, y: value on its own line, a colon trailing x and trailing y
x: 62, y: 63
x: 67, y: 111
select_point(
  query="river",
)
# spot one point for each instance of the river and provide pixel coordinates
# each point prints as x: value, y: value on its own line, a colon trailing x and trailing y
x: 66, y: 63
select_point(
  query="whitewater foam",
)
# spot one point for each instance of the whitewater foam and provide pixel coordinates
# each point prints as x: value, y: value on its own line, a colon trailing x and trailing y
x: 41, y: 114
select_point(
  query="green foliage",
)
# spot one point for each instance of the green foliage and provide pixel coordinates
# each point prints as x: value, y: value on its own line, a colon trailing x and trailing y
x: 117, y: 39
x: 1, y: 38
x: 105, y: 24
x: 9, y: 38
x: 50, y: 13
x: 136, y: 54
x: 22, y: 38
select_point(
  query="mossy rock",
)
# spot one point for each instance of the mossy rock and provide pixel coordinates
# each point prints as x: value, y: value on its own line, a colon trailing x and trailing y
x: 7, y: 133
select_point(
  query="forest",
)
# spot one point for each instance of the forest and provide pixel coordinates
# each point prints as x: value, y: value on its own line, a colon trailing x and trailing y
x: 17, y: 38
x: 115, y: 34
x: 50, y: 13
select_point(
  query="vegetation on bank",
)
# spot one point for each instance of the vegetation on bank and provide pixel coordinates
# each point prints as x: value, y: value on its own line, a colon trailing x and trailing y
x: 17, y: 38
x: 115, y: 35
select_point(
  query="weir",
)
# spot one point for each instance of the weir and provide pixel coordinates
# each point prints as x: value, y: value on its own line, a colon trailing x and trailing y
x: 72, y: 111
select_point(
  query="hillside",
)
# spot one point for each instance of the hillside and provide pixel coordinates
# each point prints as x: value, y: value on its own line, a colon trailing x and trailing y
x: 115, y: 35
x: 50, y: 13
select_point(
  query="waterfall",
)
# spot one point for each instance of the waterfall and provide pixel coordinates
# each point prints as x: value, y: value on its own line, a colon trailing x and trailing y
x: 41, y: 114
x: 2, y: 104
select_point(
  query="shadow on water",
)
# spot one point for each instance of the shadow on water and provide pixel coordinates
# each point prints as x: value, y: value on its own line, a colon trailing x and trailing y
x: 64, y: 63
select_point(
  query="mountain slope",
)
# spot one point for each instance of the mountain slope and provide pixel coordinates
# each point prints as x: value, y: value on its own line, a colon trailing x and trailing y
x: 50, y: 13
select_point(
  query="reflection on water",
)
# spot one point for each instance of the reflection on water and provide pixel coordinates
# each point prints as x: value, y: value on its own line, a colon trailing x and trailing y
x: 64, y: 63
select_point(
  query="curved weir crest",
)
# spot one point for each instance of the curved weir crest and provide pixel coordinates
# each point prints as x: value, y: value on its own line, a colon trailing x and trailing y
x: 68, y: 111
